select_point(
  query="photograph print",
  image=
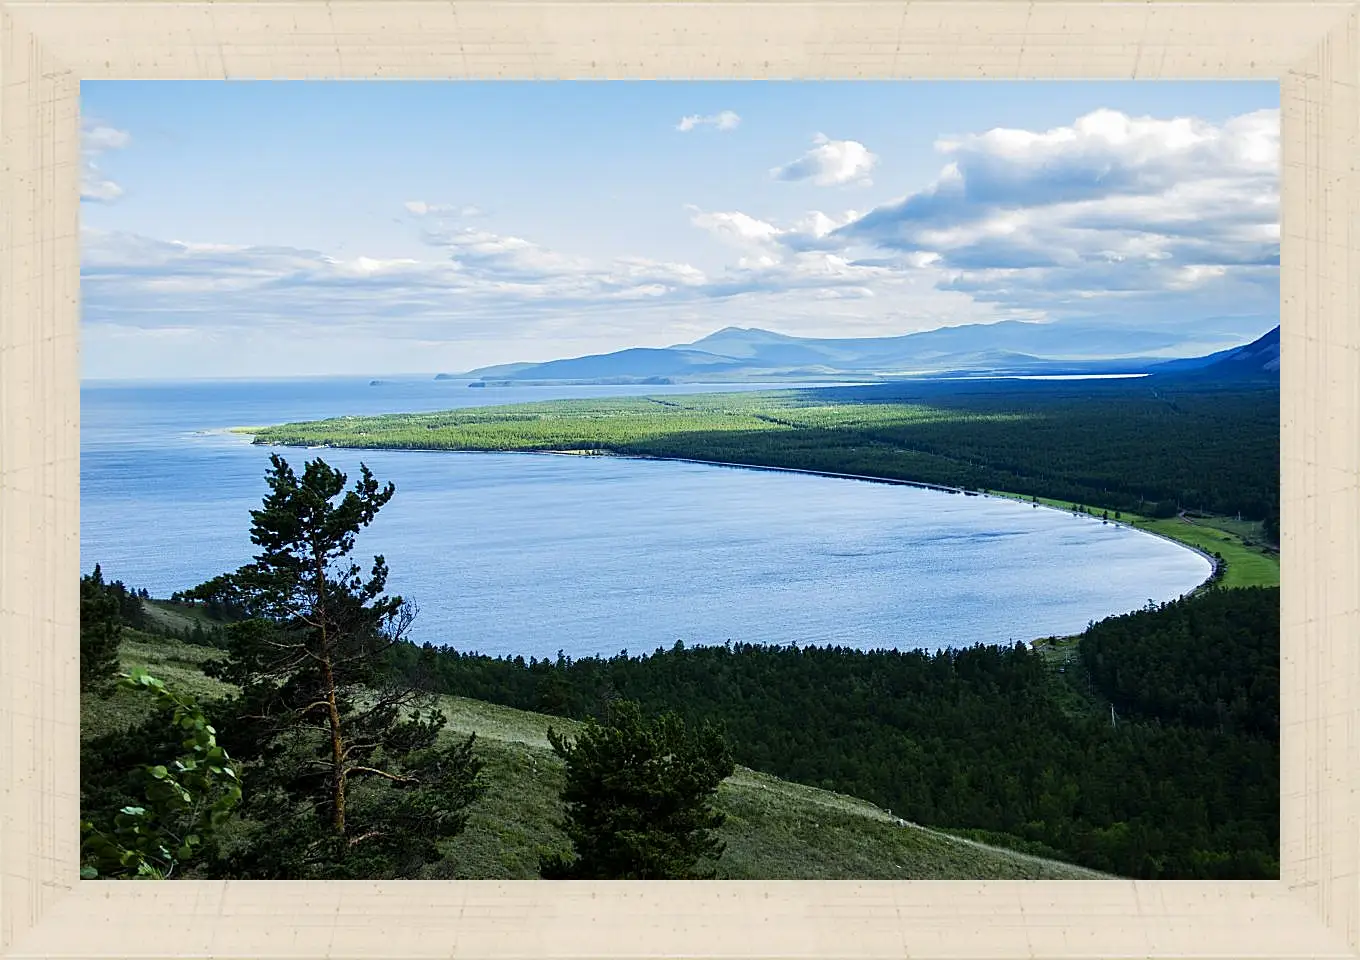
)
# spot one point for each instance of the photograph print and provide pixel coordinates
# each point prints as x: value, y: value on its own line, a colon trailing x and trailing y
x: 680, y: 480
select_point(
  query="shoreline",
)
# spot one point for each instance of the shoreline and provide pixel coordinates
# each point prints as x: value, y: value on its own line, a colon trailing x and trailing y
x: 893, y: 481
x: 863, y: 478
x: 921, y: 485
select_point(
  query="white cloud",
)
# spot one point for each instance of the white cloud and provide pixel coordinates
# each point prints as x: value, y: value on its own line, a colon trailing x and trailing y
x: 95, y: 140
x: 481, y: 278
x: 726, y: 120
x: 482, y: 287
x: 1113, y: 207
x: 737, y: 229
x: 830, y: 163
x: 1106, y: 161
x: 420, y: 208
x: 1151, y: 218
x: 1106, y: 152
x: 1154, y: 223
x: 99, y: 137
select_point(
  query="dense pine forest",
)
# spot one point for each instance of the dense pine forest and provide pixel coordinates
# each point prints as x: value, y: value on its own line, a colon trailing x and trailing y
x: 1146, y: 747
x: 1012, y: 745
x: 1183, y: 782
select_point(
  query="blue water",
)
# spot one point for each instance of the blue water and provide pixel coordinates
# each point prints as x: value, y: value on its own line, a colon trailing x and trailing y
x: 528, y: 554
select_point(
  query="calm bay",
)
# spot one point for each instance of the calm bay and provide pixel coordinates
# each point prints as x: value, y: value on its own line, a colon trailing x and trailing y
x: 519, y: 554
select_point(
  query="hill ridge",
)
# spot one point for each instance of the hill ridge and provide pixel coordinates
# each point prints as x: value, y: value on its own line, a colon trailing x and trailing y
x: 777, y: 829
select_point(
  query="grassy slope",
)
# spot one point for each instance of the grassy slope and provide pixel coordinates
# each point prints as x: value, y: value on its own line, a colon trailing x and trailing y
x: 775, y: 829
x: 1249, y: 564
x: 166, y: 615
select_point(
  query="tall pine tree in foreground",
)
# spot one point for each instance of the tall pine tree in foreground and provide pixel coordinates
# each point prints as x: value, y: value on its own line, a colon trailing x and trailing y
x: 638, y: 798
x: 348, y: 775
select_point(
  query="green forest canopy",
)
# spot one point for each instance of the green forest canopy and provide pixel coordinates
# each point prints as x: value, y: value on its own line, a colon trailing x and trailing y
x: 1184, y: 783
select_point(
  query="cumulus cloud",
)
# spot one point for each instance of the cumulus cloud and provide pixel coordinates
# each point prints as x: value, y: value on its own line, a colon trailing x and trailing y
x: 480, y: 285
x: 97, y: 139
x: 738, y: 229
x: 1108, y: 171
x: 830, y: 163
x: 478, y: 279
x: 1112, y: 207
x: 1154, y: 223
x: 763, y: 244
x: 799, y: 263
x: 1121, y: 216
x: 726, y: 120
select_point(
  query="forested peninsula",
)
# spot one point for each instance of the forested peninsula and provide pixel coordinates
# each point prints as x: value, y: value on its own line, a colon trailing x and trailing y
x: 1197, y: 462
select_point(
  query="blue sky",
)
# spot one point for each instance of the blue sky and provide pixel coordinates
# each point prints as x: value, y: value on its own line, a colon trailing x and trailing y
x: 273, y: 229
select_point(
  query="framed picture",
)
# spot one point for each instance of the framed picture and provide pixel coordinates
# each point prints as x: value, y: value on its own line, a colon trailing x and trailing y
x: 438, y: 503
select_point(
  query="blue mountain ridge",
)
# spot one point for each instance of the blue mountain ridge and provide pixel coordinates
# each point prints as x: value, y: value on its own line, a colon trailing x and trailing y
x: 1008, y: 347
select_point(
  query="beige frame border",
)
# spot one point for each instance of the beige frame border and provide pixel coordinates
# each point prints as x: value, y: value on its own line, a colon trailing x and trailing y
x: 45, y: 50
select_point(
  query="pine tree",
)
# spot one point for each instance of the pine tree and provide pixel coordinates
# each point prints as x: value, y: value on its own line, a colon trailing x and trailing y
x: 349, y: 777
x: 637, y: 798
x: 101, y: 632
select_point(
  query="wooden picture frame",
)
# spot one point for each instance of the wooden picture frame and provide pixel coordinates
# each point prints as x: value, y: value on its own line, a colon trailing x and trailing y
x: 48, y: 46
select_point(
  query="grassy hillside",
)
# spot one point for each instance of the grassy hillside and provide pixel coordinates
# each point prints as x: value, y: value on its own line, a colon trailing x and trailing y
x: 774, y: 829
x: 1247, y: 563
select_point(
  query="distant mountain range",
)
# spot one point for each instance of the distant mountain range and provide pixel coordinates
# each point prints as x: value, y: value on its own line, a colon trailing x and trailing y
x: 1008, y: 348
x: 1259, y: 359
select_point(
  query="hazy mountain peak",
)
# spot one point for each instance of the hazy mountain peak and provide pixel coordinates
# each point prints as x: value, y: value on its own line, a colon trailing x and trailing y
x: 1256, y: 360
x: 1006, y: 347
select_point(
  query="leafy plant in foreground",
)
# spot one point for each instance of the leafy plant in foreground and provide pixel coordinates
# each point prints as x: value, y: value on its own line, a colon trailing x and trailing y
x: 187, y: 801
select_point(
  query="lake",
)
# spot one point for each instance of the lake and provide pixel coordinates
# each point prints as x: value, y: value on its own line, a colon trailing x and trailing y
x: 522, y: 554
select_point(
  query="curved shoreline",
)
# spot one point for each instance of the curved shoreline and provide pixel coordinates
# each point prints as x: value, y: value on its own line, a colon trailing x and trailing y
x: 863, y: 478
x: 921, y: 485
x: 1213, y: 563
x: 747, y: 466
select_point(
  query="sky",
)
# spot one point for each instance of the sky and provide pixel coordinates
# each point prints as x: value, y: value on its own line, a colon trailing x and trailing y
x: 266, y: 229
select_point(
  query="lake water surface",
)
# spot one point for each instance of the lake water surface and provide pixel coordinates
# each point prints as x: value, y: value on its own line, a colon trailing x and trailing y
x: 527, y: 555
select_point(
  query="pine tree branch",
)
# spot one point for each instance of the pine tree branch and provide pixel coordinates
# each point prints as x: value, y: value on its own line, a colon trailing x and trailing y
x: 350, y: 748
x: 365, y: 836
x: 395, y: 777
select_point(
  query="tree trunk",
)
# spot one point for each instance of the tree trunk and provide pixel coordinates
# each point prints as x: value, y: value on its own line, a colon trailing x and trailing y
x: 337, y: 738
x: 337, y: 748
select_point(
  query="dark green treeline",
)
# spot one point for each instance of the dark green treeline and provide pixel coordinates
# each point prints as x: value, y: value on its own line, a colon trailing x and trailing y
x: 1180, y: 780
